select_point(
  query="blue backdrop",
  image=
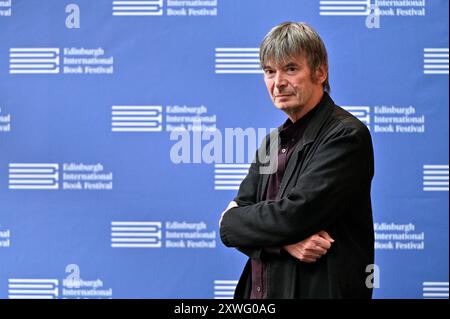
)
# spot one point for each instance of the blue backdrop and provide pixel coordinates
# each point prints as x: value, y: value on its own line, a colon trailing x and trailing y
x: 93, y: 205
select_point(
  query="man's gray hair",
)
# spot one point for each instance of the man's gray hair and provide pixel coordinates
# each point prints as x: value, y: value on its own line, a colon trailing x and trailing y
x: 290, y: 39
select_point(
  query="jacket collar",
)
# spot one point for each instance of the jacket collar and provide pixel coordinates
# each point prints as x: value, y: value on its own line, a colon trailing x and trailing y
x: 322, y: 112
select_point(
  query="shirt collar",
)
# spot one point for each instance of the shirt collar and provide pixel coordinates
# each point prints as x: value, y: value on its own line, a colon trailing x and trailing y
x: 293, y: 131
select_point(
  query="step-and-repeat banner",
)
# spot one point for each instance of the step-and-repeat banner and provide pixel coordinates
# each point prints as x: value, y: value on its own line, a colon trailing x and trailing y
x: 118, y: 122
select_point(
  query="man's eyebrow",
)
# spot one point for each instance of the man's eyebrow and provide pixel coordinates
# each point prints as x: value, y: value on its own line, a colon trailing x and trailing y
x: 287, y: 65
x: 291, y: 64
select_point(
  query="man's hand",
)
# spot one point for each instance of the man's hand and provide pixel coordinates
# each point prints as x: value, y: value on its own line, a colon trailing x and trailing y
x: 230, y: 205
x: 312, y: 248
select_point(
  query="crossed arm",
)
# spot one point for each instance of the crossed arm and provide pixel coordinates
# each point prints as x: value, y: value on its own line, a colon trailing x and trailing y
x: 307, y: 250
x: 296, y: 222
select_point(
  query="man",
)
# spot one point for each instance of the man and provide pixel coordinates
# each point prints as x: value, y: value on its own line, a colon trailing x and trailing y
x: 308, y: 227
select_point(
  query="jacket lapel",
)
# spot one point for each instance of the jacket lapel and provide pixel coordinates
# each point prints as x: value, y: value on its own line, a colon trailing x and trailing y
x: 323, y: 113
x: 292, y: 164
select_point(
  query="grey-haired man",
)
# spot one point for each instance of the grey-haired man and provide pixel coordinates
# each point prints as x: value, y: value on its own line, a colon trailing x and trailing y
x: 307, y: 228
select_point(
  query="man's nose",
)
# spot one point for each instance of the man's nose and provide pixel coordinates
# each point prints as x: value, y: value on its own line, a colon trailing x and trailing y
x: 280, y: 80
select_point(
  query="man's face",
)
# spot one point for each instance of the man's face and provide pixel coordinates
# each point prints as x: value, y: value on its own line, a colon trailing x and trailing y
x: 290, y: 85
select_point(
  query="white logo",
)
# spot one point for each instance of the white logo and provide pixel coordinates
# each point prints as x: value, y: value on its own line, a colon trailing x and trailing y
x: 195, y: 8
x: 435, y: 61
x: 47, y: 61
x: 345, y: 8
x: 360, y: 112
x: 133, y: 234
x: 137, y: 8
x: 5, y: 8
x: 224, y: 289
x: 5, y: 237
x: 32, y: 288
x: 136, y: 118
x: 389, y: 119
x: 33, y: 176
x: 73, y: 286
x: 435, y: 178
x: 74, y: 176
x: 229, y: 176
x: 435, y: 290
x: 33, y: 60
x: 237, y: 61
x: 5, y: 121
x: 393, y: 236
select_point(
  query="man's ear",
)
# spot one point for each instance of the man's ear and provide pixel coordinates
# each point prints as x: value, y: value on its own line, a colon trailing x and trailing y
x: 322, y: 73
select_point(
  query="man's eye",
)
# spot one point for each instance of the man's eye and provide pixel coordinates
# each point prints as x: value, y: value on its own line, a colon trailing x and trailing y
x: 291, y: 69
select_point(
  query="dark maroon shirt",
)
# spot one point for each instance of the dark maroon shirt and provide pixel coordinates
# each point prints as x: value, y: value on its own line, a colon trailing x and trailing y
x: 290, y: 135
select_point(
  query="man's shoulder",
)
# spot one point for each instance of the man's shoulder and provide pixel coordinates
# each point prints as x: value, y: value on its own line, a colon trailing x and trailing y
x: 343, y: 121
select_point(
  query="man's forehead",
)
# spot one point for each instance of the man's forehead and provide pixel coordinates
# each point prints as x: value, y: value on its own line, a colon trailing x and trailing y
x: 289, y: 60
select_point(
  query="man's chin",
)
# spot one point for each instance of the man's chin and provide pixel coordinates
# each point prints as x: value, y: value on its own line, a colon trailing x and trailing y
x: 284, y: 107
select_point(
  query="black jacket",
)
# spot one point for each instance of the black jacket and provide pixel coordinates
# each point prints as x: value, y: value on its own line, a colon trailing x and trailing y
x: 326, y: 186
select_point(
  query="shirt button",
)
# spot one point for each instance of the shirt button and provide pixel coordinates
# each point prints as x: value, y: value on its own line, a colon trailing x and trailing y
x: 283, y: 150
x: 258, y: 289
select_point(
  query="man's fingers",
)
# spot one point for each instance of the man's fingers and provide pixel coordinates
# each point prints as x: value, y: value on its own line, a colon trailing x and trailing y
x: 231, y: 205
x: 300, y: 253
x: 325, y: 235
x: 306, y: 253
x: 317, y: 250
x: 322, y: 242
x: 310, y: 254
x: 312, y: 248
x: 303, y: 256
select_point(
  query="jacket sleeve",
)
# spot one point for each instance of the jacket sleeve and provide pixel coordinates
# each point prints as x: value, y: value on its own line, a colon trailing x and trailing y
x: 341, y: 166
x: 249, y: 186
x: 247, y: 195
